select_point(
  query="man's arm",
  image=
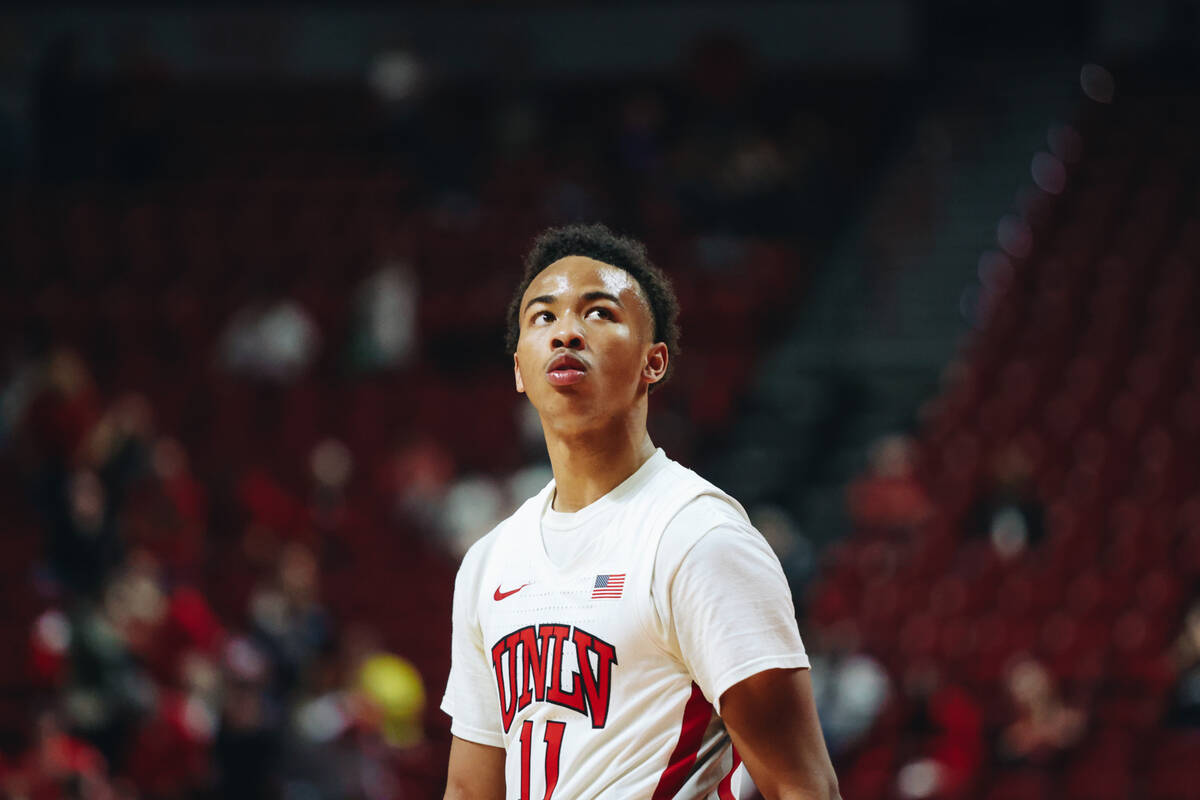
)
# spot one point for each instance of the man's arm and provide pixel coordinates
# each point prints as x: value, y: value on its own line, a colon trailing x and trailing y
x: 772, y: 719
x: 476, y: 771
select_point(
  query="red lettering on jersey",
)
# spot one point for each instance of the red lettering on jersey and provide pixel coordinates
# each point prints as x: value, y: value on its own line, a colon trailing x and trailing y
x: 554, y: 692
x: 597, y: 684
x: 553, y: 738
x: 535, y: 648
x: 536, y: 656
x: 504, y: 649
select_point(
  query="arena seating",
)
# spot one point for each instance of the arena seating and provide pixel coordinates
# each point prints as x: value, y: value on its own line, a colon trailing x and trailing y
x: 275, y: 203
x: 1087, y: 357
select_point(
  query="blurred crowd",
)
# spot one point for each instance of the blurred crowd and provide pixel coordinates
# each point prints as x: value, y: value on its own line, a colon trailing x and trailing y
x: 1015, y: 613
x: 140, y: 688
x: 1036, y: 714
x: 254, y: 406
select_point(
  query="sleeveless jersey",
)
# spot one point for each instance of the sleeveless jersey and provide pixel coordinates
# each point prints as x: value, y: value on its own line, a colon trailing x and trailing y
x: 593, y: 701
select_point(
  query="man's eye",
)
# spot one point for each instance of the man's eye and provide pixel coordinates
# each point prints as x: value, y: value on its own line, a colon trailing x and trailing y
x: 543, y: 316
x: 601, y: 312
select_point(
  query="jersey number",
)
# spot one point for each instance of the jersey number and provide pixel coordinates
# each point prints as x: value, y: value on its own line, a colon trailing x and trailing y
x: 553, y: 740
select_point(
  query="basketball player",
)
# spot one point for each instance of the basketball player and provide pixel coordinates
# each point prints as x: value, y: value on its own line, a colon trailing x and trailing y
x: 626, y: 634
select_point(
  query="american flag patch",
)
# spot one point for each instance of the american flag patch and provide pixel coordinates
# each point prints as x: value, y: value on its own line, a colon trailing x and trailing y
x: 608, y: 586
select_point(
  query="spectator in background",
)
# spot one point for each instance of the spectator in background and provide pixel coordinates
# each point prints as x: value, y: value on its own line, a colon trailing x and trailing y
x: 167, y: 512
x: 399, y: 81
x: 58, y: 765
x: 389, y: 698
x: 49, y: 648
x: 84, y: 545
x: 385, y: 328
x: 276, y: 341
x: 1043, y: 727
x: 359, y: 735
x: 471, y: 507
x: 109, y: 456
x: 755, y: 181
x: 850, y: 687
x: 82, y: 462
x: 290, y: 625
x: 1008, y: 512
x: 109, y: 692
x: 337, y: 526
x: 417, y: 475
x: 63, y: 407
x: 948, y: 725
x: 170, y: 754
x: 889, y: 496
x: 246, y: 750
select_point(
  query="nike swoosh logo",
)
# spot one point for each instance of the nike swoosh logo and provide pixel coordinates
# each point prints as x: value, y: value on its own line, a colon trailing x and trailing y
x: 499, y: 595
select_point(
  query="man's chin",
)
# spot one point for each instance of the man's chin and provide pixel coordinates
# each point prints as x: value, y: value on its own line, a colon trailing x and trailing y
x: 568, y: 408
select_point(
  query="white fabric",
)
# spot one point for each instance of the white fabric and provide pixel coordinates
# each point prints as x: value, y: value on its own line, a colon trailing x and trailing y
x: 754, y: 620
x: 704, y: 604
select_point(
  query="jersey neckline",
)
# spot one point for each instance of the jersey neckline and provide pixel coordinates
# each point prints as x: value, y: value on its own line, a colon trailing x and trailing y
x: 565, y: 522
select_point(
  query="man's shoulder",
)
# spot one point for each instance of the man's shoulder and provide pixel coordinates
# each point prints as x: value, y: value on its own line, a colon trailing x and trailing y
x: 706, y: 516
x: 705, y: 496
x: 716, y: 508
x: 709, y: 512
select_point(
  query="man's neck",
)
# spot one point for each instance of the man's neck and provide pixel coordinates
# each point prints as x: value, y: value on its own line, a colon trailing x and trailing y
x: 589, y: 465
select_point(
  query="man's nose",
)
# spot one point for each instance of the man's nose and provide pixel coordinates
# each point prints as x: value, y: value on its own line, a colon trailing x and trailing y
x: 567, y: 335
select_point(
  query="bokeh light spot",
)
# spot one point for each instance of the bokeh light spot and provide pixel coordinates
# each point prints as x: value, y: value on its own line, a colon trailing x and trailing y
x: 1048, y: 173
x: 1097, y: 83
x: 1014, y: 236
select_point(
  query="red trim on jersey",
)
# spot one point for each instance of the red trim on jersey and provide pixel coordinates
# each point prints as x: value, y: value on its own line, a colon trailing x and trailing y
x: 725, y: 790
x: 696, y: 715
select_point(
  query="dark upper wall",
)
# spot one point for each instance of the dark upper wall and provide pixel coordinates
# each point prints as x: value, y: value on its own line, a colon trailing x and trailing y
x: 557, y: 42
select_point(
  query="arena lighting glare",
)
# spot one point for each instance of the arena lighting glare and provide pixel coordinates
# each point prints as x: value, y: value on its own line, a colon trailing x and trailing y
x: 1097, y: 83
x: 995, y: 270
x: 1014, y: 236
x: 396, y: 75
x: 1048, y: 173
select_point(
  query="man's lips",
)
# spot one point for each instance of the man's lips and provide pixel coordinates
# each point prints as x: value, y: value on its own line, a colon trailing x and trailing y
x: 565, y: 370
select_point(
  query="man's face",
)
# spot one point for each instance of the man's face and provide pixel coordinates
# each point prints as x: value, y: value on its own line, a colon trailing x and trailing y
x: 586, y: 348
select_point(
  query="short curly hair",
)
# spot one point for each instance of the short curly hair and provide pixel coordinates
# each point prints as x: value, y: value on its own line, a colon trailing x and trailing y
x: 597, y: 242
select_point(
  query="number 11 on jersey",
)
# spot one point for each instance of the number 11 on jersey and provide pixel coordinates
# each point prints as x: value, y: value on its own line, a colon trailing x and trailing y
x: 553, y: 740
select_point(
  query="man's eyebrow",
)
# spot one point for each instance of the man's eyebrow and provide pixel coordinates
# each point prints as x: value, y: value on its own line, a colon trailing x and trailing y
x: 603, y: 296
x: 549, y: 299
x: 541, y: 298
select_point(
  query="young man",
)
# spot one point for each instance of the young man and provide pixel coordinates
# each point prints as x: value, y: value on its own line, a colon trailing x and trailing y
x: 626, y: 634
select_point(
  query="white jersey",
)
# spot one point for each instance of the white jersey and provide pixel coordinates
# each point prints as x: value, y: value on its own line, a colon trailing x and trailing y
x: 578, y: 672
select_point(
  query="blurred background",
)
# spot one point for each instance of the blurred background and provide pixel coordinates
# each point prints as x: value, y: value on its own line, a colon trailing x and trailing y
x: 938, y: 265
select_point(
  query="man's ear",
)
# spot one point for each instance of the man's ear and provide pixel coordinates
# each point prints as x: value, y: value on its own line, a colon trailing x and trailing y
x: 517, y: 375
x: 656, y: 363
